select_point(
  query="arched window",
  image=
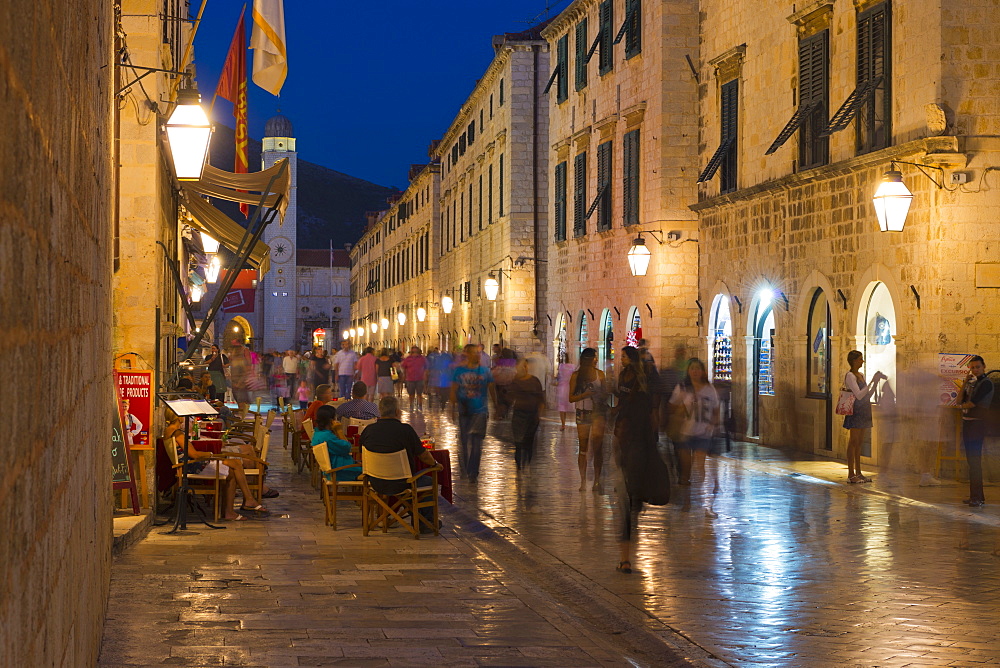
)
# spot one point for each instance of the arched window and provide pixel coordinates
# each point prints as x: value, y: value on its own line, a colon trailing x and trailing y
x: 584, y: 338
x: 721, y: 334
x: 818, y: 340
x: 606, y: 341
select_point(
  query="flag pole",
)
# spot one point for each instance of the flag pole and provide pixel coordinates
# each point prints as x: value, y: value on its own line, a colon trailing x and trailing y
x: 187, y: 49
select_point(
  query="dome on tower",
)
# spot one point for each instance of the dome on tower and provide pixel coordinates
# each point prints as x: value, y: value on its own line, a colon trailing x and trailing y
x: 278, y: 126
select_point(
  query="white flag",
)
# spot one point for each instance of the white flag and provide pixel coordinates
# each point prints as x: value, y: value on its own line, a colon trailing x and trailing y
x: 270, y: 62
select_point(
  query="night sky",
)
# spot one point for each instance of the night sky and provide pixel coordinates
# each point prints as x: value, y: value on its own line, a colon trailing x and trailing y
x: 370, y: 84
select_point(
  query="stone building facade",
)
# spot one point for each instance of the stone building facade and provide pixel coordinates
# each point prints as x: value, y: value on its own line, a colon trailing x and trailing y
x: 324, y: 301
x: 803, y: 108
x: 622, y: 161
x: 394, y: 269
x: 56, y: 262
x: 494, y: 181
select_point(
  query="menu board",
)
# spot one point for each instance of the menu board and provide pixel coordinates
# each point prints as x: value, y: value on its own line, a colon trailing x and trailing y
x: 134, y: 390
x: 121, y: 462
x: 953, y: 369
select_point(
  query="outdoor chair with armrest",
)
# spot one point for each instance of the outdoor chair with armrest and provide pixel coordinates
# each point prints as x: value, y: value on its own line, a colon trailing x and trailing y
x: 381, y: 510
x: 207, y: 484
x: 255, y: 476
x: 334, y: 490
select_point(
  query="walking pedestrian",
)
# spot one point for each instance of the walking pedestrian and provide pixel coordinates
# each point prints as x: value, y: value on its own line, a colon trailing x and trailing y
x: 290, y: 365
x: 860, y: 422
x: 345, y: 362
x: 645, y: 475
x: 441, y: 373
x: 527, y: 399
x: 383, y: 373
x: 320, y: 367
x: 589, y: 393
x: 414, y: 367
x: 471, y: 386
x: 976, y: 397
x: 504, y: 369
x: 563, y: 375
x: 217, y: 364
x: 698, y: 405
x: 303, y: 395
x: 366, y: 369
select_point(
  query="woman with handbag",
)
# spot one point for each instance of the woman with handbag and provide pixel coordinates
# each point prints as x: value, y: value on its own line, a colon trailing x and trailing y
x: 698, y: 407
x: 856, y: 408
x: 646, y: 479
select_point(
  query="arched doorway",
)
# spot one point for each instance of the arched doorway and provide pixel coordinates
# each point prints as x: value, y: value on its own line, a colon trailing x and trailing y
x: 760, y: 351
x: 606, y: 341
x: 876, y: 331
x: 818, y: 366
x: 238, y: 331
x: 720, y: 340
x: 560, y: 342
x: 583, y: 340
x: 633, y: 327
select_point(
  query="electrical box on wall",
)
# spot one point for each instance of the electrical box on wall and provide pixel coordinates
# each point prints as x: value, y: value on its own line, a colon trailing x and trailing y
x: 958, y: 178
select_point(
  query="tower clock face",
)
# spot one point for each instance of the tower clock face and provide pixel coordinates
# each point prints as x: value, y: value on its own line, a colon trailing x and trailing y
x: 282, y: 249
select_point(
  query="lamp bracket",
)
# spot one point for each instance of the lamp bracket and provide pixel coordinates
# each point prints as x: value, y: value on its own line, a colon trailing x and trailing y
x: 843, y: 297
x: 923, y: 170
x: 146, y: 72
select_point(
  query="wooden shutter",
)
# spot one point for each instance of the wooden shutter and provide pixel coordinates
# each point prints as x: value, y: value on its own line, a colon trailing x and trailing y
x: 604, y: 185
x: 581, y: 55
x: 580, y: 194
x: 562, y: 66
x: 630, y: 180
x: 607, y: 35
x: 560, y: 202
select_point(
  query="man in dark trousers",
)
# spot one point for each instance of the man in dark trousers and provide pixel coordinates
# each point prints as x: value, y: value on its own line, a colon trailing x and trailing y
x: 977, y: 395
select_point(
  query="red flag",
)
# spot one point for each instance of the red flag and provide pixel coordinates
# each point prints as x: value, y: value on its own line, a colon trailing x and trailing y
x: 233, y: 87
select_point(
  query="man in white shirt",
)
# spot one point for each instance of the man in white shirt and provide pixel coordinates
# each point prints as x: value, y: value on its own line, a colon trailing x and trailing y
x: 290, y: 365
x: 345, y: 361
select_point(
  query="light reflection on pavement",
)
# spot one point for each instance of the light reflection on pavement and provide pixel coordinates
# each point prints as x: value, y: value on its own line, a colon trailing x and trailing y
x: 790, y: 573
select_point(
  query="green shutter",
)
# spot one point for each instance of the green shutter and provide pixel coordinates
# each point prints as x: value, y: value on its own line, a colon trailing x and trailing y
x: 581, y: 55
x: 630, y: 181
x: 607, y: 10
x: 580, y: 195
x: 560, y: 202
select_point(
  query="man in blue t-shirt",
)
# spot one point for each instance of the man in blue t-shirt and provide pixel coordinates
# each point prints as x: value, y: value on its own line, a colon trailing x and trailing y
x: 471, y: 386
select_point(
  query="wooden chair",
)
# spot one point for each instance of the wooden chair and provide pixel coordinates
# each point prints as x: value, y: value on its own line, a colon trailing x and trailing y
x: 334, y: 490
x: 255, y: 476
x: 356, y: 422
x: 305, y: 450
x: 380, y: 510
x: 198, y: 483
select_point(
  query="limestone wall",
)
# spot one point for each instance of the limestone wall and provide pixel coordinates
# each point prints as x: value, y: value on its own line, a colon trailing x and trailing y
x: 55, y: 330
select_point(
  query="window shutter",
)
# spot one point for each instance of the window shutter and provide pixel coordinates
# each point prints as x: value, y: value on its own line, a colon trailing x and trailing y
x: 560, y: 202
x: 580, y: 195
x: 607, y: 35
x: 500, y: 186
x: 604, y: 186
x: 562, y: 67
x: 633, y: 35
x: 630, y: 185
x: 581, y: 55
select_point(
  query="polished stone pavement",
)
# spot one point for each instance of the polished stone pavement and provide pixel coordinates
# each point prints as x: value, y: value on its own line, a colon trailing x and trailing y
x: 789, y: 567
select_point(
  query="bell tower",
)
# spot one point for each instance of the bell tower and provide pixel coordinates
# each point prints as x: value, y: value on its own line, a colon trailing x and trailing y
x: 279, y: 285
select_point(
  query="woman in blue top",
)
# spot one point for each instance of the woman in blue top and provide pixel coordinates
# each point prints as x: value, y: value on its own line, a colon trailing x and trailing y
x: 329, y: 431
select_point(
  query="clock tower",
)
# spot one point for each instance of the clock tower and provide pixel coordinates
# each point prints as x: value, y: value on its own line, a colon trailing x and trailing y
x: 279, y: 285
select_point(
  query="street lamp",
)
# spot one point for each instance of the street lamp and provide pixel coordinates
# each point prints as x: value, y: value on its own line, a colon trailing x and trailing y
x: 345, y: 335
x: 213, y: 269
x: 638, y: 257
x: 447, y: 303
x: 892, y: 202
x: 491, y: 287
x: 421, y: 314
x: 188, y: 133
x: 208, y: 244
x: 374, y: 327
x: 401, y: 318
x: 196, y: 294
x: 384, y: 322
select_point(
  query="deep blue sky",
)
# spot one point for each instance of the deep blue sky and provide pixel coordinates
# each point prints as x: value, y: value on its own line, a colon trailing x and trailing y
x: 370, y: 84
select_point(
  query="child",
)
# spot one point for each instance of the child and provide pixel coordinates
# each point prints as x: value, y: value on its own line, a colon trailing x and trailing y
x: 303, y: 394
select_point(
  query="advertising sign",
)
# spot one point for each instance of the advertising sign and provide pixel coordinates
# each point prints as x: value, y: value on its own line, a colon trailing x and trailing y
x: 121, y: 463
x: 953, y: 369
x: 238, y: 301
x: 134, y: 389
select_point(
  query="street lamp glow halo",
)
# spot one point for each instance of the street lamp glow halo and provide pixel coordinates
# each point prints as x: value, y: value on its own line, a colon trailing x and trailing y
x: 213, y: 269
x: 208, y: 244
x: 447, y: 304
x: 421, y: 314
x: 189, y: 133
x: 892, y: 201
x: 638, y: 257
x: 384, y: 323
x: 491, y: 287
x: 401, y: 318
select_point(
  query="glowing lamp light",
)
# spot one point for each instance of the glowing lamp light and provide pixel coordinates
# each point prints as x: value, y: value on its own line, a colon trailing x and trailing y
x: 492, y: 288
x: 196, y: 294
x: 345, y: 335
x: 208, y: 244
x: 188, y: 133
x: 385, y: 323
x: 401, y: 318
x: 638, y: 257
x: 447, y: 303
x: 213, y: 269
x: 892, y: 202
x: 374, y: 327
x: 766, y: 297
x: 421, y: 314
x: 236, y: 328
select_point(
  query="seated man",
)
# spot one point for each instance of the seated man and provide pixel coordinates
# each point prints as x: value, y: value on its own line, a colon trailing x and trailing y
x: 358, y: 407
x: 390, y: 434
x: 324, y: 395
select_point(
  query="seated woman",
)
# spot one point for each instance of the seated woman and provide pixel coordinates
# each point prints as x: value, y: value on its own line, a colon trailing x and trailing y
x: 206, y: 387
x: 231, y: 469
x: 329, y: 431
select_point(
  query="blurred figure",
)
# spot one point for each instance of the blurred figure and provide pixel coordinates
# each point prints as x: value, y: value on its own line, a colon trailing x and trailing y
x: 414, y: 367
x: 698, y: 406
x: 383, y: 371
x: 440, y: 376
x: 975, y: 399
x: 635, y: 444
x: 588, y: 391
x: 367, y: 372
x: 345, y: 363
x: 860, y: 422
x: 217, y: 365
x: 563, y: 375
x: 527, y: 399
x: 471, y: 386
x: 290, y: 365
x: 503, y: 374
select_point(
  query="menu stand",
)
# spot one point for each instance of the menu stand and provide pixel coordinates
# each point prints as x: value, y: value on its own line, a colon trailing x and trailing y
x: 186, y: 405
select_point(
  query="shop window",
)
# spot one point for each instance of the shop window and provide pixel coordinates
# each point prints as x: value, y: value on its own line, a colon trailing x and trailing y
x: 634, y: 329
x: 606, y: 342
x: 559, y: 343
x: 722, y: 340
x: 584, y: 337
x: 818, y: 369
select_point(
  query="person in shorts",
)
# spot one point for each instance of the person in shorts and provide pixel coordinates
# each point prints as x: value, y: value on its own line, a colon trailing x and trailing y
x: 414, y: 368
x: 588, y: 392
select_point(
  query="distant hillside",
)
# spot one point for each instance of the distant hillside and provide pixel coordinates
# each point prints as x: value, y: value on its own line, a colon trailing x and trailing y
x: 331, y: 205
